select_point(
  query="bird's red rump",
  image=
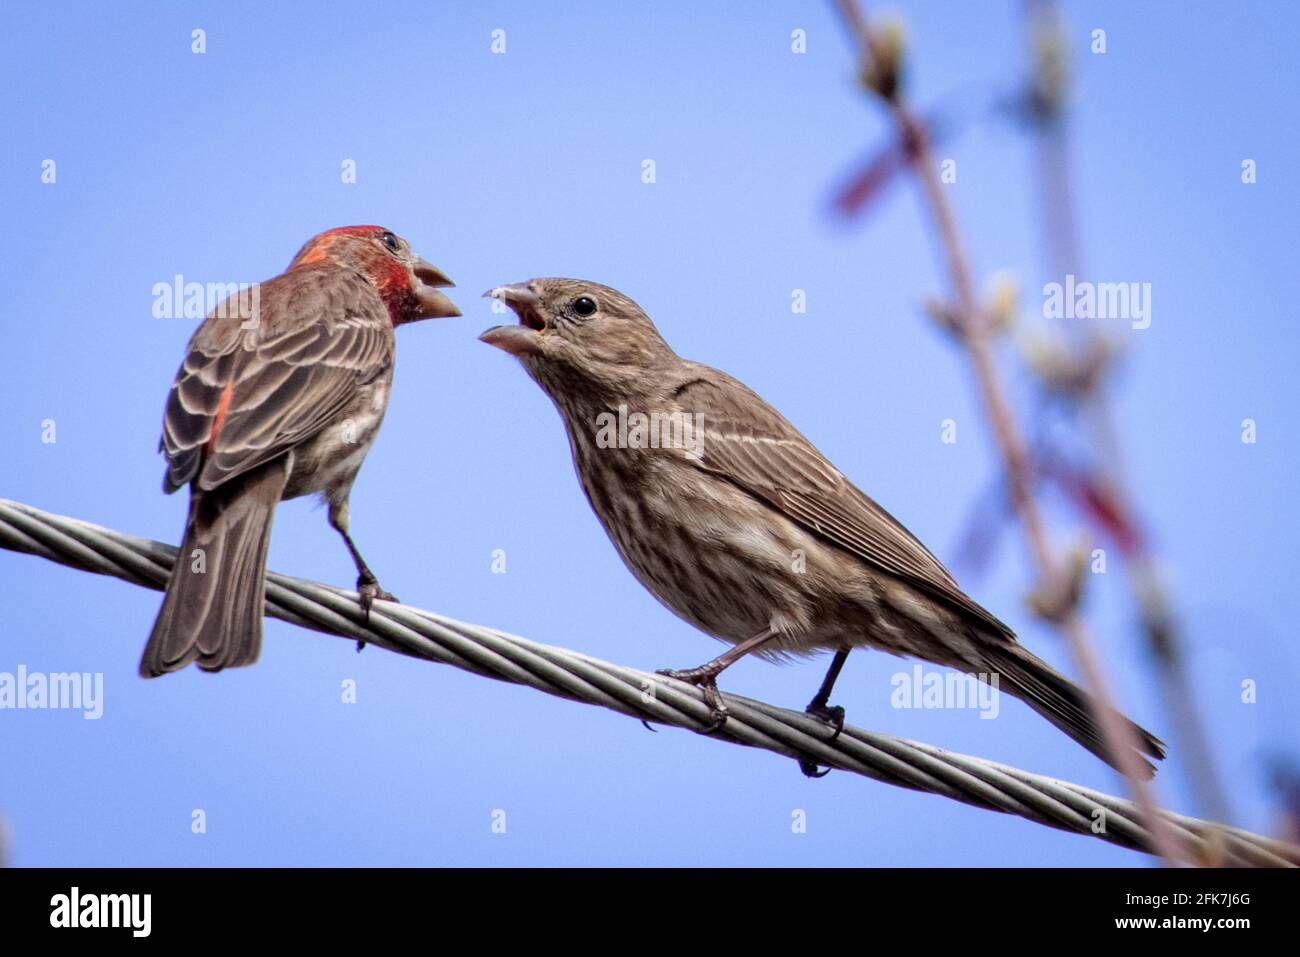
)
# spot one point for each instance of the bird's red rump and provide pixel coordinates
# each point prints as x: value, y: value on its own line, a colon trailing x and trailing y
x: 219, y: 419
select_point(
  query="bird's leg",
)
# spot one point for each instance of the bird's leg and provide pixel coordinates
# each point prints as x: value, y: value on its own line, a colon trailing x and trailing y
x: 833, y: 715
x: 705, y: 677
x: 367, y: 584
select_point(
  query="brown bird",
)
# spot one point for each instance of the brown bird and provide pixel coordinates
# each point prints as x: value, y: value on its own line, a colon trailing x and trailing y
x: 282, y: 391
x: 739, y: 525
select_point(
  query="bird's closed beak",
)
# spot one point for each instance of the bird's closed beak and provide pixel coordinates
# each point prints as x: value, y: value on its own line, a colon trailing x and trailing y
x: 429, y: 302
x: 526, y: 337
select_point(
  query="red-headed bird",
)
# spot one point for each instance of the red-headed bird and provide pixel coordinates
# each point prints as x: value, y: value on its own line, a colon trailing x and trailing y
x: 281, y: 393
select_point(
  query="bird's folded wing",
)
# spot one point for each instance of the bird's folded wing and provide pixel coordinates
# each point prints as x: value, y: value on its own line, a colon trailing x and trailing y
x: 244, y: 396
x: 754, y: 447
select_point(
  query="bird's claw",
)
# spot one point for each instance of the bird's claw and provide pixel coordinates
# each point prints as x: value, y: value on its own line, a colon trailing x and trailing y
x: 718, y: 716
x: 706, y: 681
x: 809, y: 769
x: 833, y: 716
x: 369, y: 592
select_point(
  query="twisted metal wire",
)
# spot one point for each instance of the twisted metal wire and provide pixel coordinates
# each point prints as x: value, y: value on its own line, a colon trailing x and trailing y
x: 650, y: 697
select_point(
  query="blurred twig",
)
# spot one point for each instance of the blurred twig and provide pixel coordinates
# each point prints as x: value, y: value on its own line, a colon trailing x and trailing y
x: 880, y: 52
x: 1046, y: 100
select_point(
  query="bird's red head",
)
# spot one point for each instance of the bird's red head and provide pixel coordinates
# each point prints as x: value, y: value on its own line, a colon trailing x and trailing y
x: 408, y: 285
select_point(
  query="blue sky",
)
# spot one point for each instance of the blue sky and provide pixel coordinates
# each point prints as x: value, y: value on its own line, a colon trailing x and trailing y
x: 502, y: 167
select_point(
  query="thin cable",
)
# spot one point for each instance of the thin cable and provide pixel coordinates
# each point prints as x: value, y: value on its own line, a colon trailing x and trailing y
x: 642, y: 695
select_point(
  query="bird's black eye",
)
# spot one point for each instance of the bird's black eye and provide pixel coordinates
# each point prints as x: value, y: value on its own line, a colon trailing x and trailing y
x: 584, y: 305
x: 391, y: 241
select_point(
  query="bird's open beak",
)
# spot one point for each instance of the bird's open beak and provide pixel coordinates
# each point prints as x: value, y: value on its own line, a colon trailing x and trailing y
x: 429, y: 302
x: 526, y: 337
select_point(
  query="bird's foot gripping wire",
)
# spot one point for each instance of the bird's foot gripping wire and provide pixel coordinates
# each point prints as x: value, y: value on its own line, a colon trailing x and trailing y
x: 368, y: 591
x: 833, y: 716
x: 706, y: 679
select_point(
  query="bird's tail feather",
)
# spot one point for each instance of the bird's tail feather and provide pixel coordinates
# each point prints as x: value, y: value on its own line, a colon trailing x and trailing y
x: 1062, y: 702
x: 212, y: 612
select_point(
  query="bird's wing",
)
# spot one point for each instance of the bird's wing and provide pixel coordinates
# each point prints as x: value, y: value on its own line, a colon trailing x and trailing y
x: 751, y: 445
x: 244, y: 396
